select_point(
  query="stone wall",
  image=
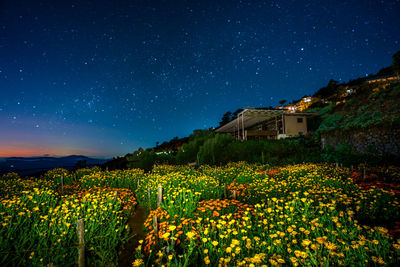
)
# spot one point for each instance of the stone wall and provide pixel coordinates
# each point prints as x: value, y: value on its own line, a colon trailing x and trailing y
x: 383, y: 140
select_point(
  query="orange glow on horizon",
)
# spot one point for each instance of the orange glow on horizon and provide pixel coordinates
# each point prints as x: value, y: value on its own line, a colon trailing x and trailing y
x: 30, y: 151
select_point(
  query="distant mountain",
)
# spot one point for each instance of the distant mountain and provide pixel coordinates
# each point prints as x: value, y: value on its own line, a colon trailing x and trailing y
x: 32, y: 165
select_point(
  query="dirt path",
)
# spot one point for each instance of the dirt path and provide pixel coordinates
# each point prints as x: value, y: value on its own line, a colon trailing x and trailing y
x: 135, y: 222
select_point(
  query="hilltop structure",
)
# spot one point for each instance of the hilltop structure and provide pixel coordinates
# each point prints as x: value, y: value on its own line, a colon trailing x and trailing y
x: 253, y: 123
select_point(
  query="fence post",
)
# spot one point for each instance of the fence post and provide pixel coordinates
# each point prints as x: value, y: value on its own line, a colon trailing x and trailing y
x: 148, y: 194
x: 155, y: 227
x: 81, y: 241
x: 234, y: 194
x: 62, y: 184
x: 159, y: 195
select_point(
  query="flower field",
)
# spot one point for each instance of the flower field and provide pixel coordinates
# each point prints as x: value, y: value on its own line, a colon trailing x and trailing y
x: 236, y: 215
x: 39, y: 221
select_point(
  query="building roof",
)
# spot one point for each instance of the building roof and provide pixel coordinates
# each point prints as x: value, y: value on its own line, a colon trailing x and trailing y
x: 252, y: 116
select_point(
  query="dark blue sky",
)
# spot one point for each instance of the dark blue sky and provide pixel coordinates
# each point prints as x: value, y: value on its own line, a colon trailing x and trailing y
x: 106, y: 77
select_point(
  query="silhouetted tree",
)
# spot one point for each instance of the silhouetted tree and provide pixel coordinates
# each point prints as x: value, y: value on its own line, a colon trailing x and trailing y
x: 328, y: 90
x: 236, y: 113
x: 227, y: 117
x: 283, y: 101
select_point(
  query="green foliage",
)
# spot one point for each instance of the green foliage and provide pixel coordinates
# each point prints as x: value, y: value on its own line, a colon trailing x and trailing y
x: 143, y: 160
x: 189, y: 151
x: 344, y: 154
x: 371, y: 107
x: 214, y: 149
x: 331, y: 122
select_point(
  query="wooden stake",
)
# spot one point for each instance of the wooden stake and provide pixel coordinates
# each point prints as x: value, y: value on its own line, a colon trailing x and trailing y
x: 234, y: 194
x: 138, y: 182
x: 159, y: 195
x: 81, y: 242
x: 155, y: 227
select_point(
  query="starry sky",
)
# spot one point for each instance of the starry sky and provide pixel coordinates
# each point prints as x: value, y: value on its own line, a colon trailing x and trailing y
x: 103, y: 78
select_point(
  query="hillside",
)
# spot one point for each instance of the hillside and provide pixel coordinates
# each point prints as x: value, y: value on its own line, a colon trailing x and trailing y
x: 370, y: 105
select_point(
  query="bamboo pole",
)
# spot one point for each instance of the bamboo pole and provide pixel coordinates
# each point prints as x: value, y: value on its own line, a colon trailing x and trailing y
x: 159, y: 195
x: 155, y: 227
x: 81, y: 242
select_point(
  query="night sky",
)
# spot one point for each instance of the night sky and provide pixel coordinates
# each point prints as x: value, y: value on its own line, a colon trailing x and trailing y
x: 103, y: 78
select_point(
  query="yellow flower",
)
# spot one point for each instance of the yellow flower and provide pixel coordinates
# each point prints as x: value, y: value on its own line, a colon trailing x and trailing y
x: 235, y: 242
x: 166, y: 235
x: 190, y: 234
x: 138, y: 262
x: 214, y: 243
x: 172, y: 228
x: 207, y: 260
x: 204, y: 239
x: 205, y: 251
x: 305, y: 242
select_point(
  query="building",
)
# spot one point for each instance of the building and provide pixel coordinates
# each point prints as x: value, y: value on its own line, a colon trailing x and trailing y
x: 253, y: 123
x: 384, y: 79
